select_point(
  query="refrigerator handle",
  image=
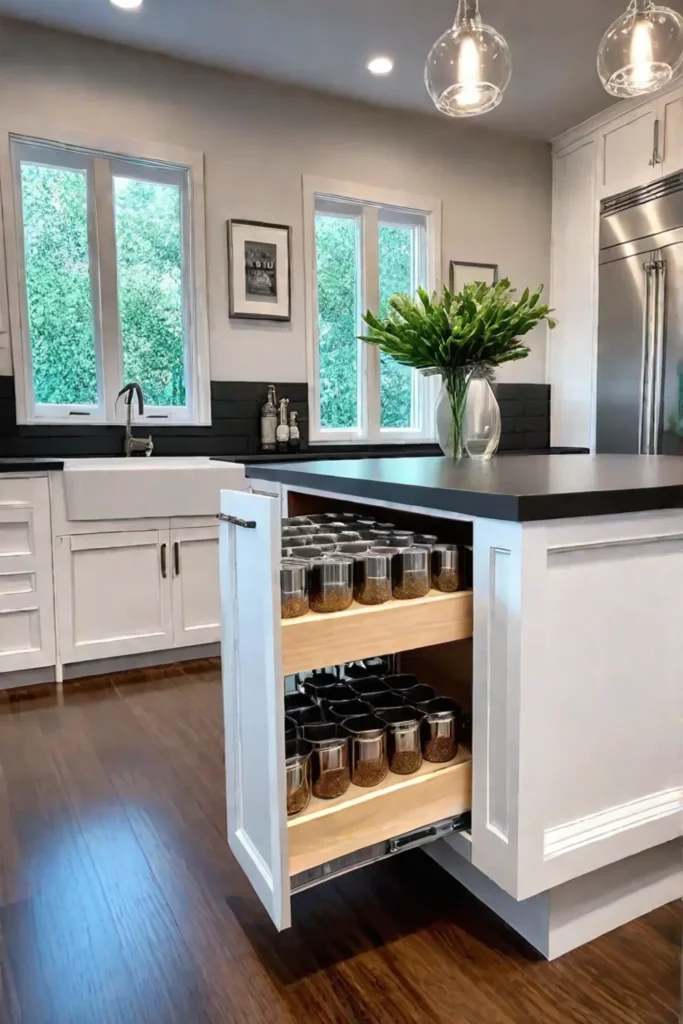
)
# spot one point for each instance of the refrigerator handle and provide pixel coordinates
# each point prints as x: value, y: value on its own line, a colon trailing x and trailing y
x: 649, y: 335
x: 658, y: 366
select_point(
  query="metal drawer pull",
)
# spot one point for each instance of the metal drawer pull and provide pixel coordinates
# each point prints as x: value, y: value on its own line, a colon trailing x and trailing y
x: 248, y: 524
x: 176, y: 558
x: 163, y: 560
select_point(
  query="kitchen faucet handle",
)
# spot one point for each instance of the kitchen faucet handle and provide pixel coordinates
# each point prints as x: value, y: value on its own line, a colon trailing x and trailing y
x: 129, y: 390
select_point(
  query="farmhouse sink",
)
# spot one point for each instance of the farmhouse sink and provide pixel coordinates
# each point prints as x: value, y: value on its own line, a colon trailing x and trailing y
x: 147, y: 488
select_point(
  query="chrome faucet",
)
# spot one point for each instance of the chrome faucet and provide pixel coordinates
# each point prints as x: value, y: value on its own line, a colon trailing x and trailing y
x: 134, y: 445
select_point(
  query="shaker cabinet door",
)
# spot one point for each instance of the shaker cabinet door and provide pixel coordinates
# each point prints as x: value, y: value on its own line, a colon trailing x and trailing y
x: 196, y: 597
x: 628, y: 157
x: 115, y: 591
x: 253, y: 692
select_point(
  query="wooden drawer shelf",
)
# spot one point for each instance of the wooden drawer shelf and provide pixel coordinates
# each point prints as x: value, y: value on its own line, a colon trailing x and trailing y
x: 328, y: 829
x: 363, y: 631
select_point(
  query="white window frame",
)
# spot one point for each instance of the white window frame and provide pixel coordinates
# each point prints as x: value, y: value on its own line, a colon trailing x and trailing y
x: 368, y: 203
x: 105, y: 156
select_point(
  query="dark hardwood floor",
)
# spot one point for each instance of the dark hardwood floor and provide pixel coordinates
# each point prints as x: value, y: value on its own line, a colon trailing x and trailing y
x: 120, y: 901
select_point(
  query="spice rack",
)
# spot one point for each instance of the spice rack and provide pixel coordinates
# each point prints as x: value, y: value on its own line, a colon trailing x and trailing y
x: 329, y: 829
x: 363, y: 631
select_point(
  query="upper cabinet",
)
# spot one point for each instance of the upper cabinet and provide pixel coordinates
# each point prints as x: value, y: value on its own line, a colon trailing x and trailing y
x: 671, y: 142
x: 628, y: 154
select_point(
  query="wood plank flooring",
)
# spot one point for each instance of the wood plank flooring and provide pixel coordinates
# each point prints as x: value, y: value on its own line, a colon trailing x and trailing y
x: 120, y: 901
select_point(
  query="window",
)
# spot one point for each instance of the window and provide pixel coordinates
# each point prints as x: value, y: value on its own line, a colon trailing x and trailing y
x: 107, y: 286
x: 362, y: 247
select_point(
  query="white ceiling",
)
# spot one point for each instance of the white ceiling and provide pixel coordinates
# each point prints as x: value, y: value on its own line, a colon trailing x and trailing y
x: 326, y: 43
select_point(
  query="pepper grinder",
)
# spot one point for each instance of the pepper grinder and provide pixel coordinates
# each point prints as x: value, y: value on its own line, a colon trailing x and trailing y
x: 294, y: 432
x: 282, y: 432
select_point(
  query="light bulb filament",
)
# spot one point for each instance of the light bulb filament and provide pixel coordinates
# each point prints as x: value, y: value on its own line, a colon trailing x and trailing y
x: 469, y: 73
x: 641, y: 54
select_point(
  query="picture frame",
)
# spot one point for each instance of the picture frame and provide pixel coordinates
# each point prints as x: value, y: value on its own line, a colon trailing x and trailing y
x: 462, y: 272
x: 259, y: 270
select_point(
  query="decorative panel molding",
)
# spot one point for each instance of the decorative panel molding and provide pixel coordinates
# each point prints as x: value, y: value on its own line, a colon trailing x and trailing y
x: 497, y: 810
x: 594, y: 827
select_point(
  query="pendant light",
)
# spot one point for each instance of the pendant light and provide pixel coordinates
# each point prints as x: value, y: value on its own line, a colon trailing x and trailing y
x: 469, y: 66
x: 642, y: 50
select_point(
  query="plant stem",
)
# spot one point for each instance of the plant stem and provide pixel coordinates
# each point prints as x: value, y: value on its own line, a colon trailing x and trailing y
x: 456, y: 386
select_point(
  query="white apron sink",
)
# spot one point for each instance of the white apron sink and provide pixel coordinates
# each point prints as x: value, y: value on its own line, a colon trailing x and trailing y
x: 147, y: 488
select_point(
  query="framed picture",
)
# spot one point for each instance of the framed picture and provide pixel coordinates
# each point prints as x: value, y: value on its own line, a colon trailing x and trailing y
x: 259, y: 273
x: 467, y: 273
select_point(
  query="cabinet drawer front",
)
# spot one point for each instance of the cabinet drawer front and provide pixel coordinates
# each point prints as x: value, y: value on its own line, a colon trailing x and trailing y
x: 253, y: 691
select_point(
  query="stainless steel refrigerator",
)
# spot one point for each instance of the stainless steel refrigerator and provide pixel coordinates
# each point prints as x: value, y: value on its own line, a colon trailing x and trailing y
x: 640, y: 330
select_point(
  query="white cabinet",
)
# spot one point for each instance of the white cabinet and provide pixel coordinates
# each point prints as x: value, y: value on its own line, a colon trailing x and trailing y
x: 132, y: 592
x: 196, y: 597
x: 628, y: 153
x: 114, y: 594
x: 671, y: 141
x: 27, y: 629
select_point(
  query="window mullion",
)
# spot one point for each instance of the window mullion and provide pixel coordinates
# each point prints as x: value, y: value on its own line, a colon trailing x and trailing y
x: 112, y: 359
x: 370, y: 359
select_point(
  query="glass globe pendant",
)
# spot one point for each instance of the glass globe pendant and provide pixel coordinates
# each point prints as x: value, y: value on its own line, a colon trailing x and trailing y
x: 642, y: 50
x: 469, y: 66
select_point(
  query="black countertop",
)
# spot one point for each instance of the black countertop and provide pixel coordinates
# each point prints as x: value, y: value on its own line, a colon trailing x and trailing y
x: 312, y: 455
x: 519, y: 490
x: 29, y: 465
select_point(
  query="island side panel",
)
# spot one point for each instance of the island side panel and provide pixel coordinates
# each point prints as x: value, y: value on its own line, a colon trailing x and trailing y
x: 578, y: 651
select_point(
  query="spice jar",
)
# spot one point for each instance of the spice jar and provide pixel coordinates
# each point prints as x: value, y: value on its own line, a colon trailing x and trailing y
x: 293, y: 589
x: 339, y: 693
x: 346, y: 536
x: 348, y: 709
x: 297, y: 702
x: 298, y: 768
x: 291, y: 728
x: 446, y: 568
x: 377, y: 666
x: 296, y: 531
x: 355, y: 547
x: 382, y: 537
x: 331, y: 584
x: 368, y: 742
x: 386, y: 699
x: 318, y: 518
x: 330, y: 772
x: 322, y: 539
x: 401, y: 683
x: 368, y: 684
x: 419, y: 694
x: 309, y: 552
x: 365, y: 522
x: 440, y: 729
x: 372, y: 578
x: 426, y: 540
x: 320, y: 685
x: 297, y: 521
x: 410, y: 572
x: 386, y: 526
x: 310, y: 716
x: 404, y: 743
x: 401, y: 539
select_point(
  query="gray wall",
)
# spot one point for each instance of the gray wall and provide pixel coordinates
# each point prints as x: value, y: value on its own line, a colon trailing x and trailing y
x: 258, y: 139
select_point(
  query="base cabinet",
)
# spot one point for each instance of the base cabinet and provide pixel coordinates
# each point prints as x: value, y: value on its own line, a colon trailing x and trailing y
x: 134, y: 592
x: 27, y: 629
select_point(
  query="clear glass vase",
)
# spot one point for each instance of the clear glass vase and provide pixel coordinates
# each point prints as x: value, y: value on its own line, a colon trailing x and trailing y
x: 449, y: 413
x: 481, y: 419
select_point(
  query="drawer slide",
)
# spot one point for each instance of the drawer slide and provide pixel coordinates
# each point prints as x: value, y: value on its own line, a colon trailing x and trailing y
x: 379, y: 851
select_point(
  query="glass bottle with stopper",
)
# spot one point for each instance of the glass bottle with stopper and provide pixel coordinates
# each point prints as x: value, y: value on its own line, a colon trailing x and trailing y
x: 294, y: 432
x: 269, y: 421
x: 282, y: 431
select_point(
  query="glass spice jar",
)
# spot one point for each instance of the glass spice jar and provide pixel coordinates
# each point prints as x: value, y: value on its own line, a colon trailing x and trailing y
x: 298, y: 769
x: 404, y: 742
x: 427, y: 540
x: 446, y: 568
x: 372, y: 578
x: 331, y: 584
x: 410, y: 573
x: 293, y: 589
x: 368, y: 743
x: 348, y: 709
x: 297, y: 521
x: 330, y: 772
x: 401, y: 539
x: 440, y: 729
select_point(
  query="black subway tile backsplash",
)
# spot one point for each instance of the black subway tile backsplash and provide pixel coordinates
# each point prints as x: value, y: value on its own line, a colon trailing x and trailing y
x: 235, y: 429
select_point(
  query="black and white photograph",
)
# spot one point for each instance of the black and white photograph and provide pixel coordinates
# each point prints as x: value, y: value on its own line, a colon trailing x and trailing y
x: 462, y: 272
x: 259, y: 270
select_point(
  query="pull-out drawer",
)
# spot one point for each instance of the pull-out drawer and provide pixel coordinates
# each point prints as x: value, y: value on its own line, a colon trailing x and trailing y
x: 281, y: 855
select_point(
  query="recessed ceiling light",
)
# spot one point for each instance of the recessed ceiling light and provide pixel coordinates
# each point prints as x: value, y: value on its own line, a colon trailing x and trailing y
x: 127, y: 5
x: 380, y: 65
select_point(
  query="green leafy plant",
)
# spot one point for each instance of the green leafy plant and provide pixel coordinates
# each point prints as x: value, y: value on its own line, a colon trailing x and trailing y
x: 480, y: 327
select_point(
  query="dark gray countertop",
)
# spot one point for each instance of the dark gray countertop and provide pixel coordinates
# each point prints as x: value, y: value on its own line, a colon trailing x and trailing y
x: 520, y: 490
x: 312, y: 455
x: 18, y: 465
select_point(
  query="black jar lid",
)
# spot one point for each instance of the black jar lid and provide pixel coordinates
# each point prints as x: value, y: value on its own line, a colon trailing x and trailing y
x: 440, y: 706
x: 369, y: 684
x: 404, y: 715
x: 401, y: 682
x: 388, y: 699
x: 296, y: 701
x: 348, y: 709
x: 371, y: 725
x: 307, y: 716
x: 339, y: 693
x: 419, y: 694
x: 322, y: 733
x: 297, y: 750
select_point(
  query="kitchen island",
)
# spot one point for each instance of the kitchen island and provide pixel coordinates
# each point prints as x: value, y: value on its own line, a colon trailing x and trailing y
x: 575, y: 679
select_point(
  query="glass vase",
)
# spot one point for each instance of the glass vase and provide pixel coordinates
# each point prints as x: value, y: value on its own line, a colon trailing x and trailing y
x: 449, y: 413
x: 481, y: 419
